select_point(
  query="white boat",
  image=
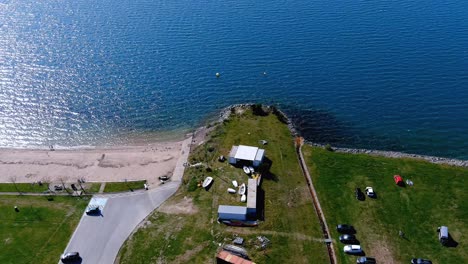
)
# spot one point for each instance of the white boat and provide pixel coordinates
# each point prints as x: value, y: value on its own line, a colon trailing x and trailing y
x: 251, y: 169
x: 207, y: 182
x: 242, y: 189
x: 246, y: 170
x: 231, y: 190
x: 235, y: 184
x: 243, y: 198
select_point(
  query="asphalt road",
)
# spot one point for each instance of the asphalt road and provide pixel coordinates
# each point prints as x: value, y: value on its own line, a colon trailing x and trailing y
x: 98, y: 238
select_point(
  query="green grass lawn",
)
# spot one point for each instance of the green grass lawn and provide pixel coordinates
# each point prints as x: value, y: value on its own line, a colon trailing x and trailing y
x: 92, y: 187
x: 185, y: 229
x: 438, y: 197
x: 23, y: 187
x: 124, y: 186
x: 40, y: 231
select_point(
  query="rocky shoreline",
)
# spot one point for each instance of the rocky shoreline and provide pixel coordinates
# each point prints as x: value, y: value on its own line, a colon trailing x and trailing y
x: 227, y: 111
x: 396, y: 154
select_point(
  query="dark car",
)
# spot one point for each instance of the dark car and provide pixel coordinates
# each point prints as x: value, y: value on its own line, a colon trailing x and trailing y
x: 92, y: 210
x: 70, y: 257
x: 420, y: 261
x: 348, y: 239
x: 366, y: 260
x: 359, y: 194
x: 345, y: 229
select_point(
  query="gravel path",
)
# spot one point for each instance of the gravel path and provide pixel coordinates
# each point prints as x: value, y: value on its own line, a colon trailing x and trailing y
x: 318, y: 208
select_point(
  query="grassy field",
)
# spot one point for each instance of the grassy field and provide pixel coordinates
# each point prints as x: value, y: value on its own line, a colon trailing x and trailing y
x: 124, y: 186
x: 40, y: 231
x: 185, y: 230
x: 36, y: 188
x: 23, y: 187
x: 438, y: 197
x: 92, y: 187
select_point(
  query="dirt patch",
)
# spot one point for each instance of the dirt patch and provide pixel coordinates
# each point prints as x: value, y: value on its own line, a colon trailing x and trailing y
x: 190, y: 253
x: 381, y: 252
x: 184, y: 206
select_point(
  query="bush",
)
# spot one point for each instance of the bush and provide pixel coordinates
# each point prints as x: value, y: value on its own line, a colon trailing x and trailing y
x: 328, y: 147
x: 193, y: 184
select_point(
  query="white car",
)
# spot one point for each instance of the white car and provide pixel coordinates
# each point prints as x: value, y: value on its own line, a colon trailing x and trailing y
x: 370, y: 192
x: 352, y: 249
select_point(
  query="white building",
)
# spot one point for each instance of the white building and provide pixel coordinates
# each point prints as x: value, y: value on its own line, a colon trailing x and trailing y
x: 246, y: 153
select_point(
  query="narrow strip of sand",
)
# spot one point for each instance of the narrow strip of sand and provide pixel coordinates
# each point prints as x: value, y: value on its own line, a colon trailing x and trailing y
x: 93, y: 165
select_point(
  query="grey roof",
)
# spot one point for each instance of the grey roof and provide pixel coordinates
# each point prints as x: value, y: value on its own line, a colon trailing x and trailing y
x: 252, y: 193
x: 260, y: 154
x: 232, y: 209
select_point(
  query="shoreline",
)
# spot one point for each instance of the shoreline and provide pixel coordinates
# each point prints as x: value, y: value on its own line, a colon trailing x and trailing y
x: 396, y: 154
x: 119, y: 163
x: 142, y: 159
x: 227, y: 111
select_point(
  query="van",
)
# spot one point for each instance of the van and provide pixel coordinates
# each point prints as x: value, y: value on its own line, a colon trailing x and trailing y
x: 443, y: 235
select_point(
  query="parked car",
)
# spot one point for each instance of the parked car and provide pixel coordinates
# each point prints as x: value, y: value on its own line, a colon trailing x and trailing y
x: 92, y: 209
x: 352, y: 249
x: 443, y: 235
x: 366, y: 260
x: 163, y: 179
x: 70, y: 257
x: 370, y: 192
x: 348, y: 239
x: 359, y: 194
x: 345, y: 229
x: 420, y: 261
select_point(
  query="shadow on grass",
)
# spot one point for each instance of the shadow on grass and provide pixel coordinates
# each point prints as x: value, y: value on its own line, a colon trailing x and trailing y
x: 362, y: 253
x: 265, y: 170
x: 451, y: 242
x: 260, y: 204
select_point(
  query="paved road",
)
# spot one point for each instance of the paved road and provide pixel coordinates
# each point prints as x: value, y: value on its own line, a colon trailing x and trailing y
x: 99, y: 238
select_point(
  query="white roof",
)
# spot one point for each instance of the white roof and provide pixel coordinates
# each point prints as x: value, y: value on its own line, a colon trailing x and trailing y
x: 246, y: 152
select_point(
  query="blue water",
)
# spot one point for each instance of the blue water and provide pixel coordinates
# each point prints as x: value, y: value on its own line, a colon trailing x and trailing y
x: 380, y: 74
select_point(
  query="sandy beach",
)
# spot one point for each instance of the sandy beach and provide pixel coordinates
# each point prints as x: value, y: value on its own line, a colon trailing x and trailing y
x: 91, y: 165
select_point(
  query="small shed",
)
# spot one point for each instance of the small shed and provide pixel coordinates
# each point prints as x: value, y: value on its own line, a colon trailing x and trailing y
x: 228, y: 212
x: 246, y: 153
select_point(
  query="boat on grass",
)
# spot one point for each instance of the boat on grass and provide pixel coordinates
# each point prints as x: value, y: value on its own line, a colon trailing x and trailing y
x: 207, y: 182
x: 235, y: 184
x: 251, y: 169
x: 236, y: 250
x: 242, y: 189
x: 243, y: 198
x: 246, y: 170
x: 231, y: 190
